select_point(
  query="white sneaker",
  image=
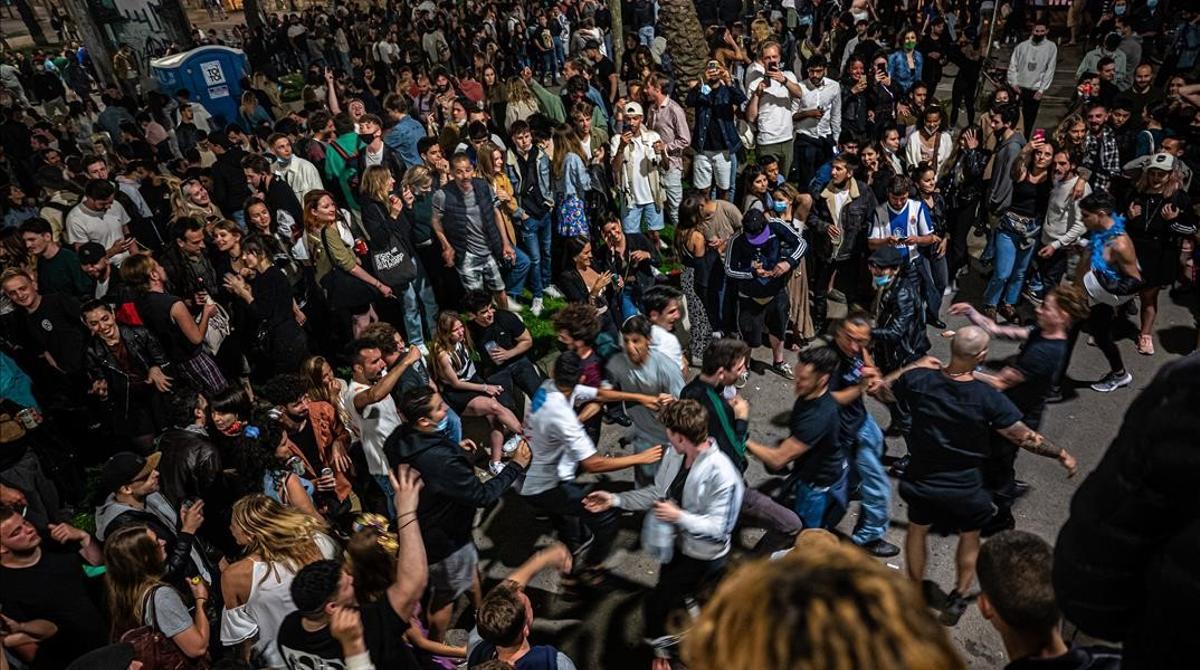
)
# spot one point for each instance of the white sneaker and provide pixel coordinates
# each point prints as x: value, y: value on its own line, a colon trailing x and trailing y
x: 511, y: 445
x: 662, y: 244
x: 495, y: 467
x: 514, y: 306
x: 536, y: 307
x: 553, y: 292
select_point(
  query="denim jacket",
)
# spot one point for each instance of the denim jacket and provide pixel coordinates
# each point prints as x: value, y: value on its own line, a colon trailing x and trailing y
x: 575, y: 179
x: 898, y: 70
x: 717, y: 106
x: 513, y: 169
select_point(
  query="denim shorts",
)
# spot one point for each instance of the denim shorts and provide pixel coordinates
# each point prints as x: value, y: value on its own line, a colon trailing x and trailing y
x: 451, y: 577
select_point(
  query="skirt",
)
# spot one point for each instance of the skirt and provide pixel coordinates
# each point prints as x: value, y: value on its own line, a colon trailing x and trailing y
x: 572, y: 219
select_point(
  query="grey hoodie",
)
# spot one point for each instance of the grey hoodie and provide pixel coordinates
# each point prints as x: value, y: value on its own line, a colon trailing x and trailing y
x: 1000, y: 194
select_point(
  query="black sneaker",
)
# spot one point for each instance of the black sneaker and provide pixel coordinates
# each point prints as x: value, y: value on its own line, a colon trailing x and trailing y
x: 1054, y: 395
x: 956, y: 605
x: 881, y: 548
x: 899, y: 466
x: 1001, y: 521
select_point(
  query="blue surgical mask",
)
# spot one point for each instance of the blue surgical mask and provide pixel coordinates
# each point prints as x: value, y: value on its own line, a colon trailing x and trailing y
x: 444, y: 423
x: 779, y: 206
x: 882, y: 281
x: 1119, y: 10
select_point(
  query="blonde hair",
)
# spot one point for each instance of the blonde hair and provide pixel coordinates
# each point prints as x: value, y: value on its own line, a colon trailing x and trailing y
x: 418, y: 177
x: 279, y: 535
x: 375, y: 182
x: 823, y: 606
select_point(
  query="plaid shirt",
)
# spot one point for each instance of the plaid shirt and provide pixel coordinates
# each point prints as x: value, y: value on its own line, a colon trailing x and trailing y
x: 1101, y: 157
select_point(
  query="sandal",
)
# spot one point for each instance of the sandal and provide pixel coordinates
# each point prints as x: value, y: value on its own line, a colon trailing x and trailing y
x: 1145, y: 345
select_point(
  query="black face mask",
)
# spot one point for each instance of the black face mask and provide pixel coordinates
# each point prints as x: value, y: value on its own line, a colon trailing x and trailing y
x: 365, y: 138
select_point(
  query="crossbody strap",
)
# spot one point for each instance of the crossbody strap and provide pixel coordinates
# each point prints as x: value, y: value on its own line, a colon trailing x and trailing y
x: 738, y: 443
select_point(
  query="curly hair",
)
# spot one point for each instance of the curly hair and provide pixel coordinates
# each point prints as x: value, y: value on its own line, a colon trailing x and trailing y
x: 824, y: 605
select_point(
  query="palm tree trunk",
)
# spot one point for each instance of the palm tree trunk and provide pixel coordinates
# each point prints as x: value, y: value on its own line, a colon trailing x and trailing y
x: 681, y: 27
x: 252, y: 13
x: 30, y: 18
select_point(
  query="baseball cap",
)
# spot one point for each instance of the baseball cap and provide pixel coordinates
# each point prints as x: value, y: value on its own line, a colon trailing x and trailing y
x: 125, y: 467
x: 633, y: 109
x: 90, y: 253
x: 886, y: 257
x: 1161, y: 161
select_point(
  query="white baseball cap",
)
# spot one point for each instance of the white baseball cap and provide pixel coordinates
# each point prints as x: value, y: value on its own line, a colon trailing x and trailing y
x: 633, y: 109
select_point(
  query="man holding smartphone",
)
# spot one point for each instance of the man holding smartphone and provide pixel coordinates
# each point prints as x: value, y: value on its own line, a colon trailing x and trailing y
x: 770, y: 108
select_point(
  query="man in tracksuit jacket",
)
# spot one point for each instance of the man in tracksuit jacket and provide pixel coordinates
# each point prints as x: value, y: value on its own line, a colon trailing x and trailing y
x: 760, y: 260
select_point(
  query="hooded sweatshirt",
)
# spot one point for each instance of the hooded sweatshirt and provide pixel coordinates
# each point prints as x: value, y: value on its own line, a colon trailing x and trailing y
x: 1007, y: 151
x: 452, y: 493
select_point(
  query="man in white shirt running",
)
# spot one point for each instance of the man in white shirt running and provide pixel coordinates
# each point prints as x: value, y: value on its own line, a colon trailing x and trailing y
x: 561, y: 447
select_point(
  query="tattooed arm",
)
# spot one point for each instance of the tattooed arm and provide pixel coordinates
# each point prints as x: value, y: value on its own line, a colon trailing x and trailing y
x: 1036, y: 443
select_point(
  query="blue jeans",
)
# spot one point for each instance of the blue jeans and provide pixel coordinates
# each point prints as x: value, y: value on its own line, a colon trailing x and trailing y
x: 636, y: 214
x: 821, y: 506
x: 535, y: 242
x: 874, y: 489
x: 452, y: 427
x: 646, y: 35
x: 389, y: 494
x: 419, y: 288
x: 1009, y: 269
x: 515, y: 273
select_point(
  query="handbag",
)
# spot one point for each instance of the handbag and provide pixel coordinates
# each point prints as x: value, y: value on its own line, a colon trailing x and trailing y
x: 394, y: 264
x: 219, y: 327
x: 342, y: 289
x: 155, y: 650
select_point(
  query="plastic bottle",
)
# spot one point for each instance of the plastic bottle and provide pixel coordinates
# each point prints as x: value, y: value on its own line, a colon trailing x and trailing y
x: 658, y: 537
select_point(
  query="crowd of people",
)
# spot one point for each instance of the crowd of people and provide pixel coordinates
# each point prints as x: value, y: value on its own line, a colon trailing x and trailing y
x: 259, y: 375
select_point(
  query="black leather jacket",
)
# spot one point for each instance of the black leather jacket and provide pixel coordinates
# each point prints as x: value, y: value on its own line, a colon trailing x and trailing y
x: 899, y: 333
x: 100, y: 363
x: 854, y: 220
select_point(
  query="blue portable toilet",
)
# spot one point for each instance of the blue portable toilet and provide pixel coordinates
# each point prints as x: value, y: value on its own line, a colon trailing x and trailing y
x: 212, y: 74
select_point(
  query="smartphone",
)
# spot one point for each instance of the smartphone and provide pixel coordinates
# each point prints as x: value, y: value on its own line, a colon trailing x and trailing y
x: 773, y: 68
x: 902, y: 240
x: 625, y: 128
x: 1039, y: 134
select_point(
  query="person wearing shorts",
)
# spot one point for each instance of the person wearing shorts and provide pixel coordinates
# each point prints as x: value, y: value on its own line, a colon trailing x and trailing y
x: 715, y: 140
x: 465, y: 223
x: 953, y: 416
x: 759, y: 260
x: 639, y: 164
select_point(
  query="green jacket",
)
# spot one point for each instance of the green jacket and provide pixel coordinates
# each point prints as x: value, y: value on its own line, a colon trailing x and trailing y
x: 550, y: 104
x: 340, y: 167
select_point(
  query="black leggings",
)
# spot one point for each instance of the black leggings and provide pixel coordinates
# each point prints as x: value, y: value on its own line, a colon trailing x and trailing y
x: 1100, y: 325
x: 963, y: 219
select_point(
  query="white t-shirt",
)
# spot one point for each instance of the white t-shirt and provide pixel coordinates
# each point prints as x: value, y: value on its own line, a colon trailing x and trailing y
x: 375, y: 423
x: 85, y: 225
x: 775, y: 106
x: 640, y: 158
x: 556, y: 437
x: 665, y: 341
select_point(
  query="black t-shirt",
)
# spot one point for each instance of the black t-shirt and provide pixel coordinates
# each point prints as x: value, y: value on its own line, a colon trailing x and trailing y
x: 817, y: 423
x: 715, y: 403
x: 155, y: 310
x: 383, y: 633
x: 952, y: 421
x: 604, y: 69
x: 55, y: 589
x: 307, y: 441
x: 848, y: 374
x: 1039, y: 361
x: 55, y: 327
x: 504, y: 331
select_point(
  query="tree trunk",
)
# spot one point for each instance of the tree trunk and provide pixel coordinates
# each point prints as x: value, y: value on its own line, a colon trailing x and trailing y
x: 618, y: 34
x: 30, y: 18
x: 173, y: 13
x: 253, y: 14
x: 680, y: 26
x: 93, y: 39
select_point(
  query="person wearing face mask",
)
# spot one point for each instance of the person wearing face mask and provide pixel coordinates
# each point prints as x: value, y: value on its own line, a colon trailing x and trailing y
x: 298, y: 173
x: 374, y: 150
x: 898, y: 337
x: 906, y: 66
x: 1031, y: 70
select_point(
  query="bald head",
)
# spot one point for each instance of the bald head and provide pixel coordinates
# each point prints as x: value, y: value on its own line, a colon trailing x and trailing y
x: 969, y: 342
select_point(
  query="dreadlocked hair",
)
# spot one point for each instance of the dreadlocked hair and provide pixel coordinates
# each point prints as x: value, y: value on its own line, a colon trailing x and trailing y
x: 822, y: 607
